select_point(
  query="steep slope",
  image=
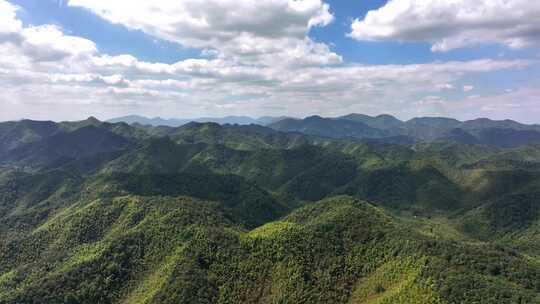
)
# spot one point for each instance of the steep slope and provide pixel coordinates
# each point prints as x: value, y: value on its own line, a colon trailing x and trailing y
x: 67, y: 146
x: 245, y: 202
x: 511, y: 220
x: 156, y: 155
x: 180, y: 250
x: 95, y: 252
x: 246, y: 214
x: 29, y: 199
x: 16, y: 133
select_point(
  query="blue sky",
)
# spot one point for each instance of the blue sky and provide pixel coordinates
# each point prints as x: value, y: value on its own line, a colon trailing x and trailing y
x: 220, y: 57
x: 116, y: 39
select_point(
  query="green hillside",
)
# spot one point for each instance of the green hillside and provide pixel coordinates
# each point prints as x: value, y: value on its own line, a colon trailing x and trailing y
x: 94, y: 212
x: 147, y: 249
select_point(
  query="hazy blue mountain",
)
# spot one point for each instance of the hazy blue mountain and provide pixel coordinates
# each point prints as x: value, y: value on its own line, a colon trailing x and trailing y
x: 266, y: 120
x: 388, y: 129
x: 485, y: 123
x: 176, y: 122
x: 430, y: 128
x: 384, y: 121
x: 233, y: 120
x: 329, y: 127
x: 382, y: 129
x: 156, y: 121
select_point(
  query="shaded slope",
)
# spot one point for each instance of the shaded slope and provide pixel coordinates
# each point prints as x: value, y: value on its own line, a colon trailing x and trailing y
x: 245, y: 203
x: 16, y: 133
x: 63, y: 147
x: 327, y: 127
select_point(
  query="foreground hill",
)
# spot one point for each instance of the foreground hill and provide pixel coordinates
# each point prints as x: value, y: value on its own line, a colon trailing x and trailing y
x: 134, y: 249
x: 94, y: 212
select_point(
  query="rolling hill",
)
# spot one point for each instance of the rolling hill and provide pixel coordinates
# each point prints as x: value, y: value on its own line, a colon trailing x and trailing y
x: 95, y: 212
x: 388, y: 129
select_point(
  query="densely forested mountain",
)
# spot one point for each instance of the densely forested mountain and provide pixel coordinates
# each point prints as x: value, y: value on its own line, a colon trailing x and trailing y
x: 94, y: 212
x: 334, y: 128
x: 14, y: 134
x: 385, y: 122
x: 386, y: 128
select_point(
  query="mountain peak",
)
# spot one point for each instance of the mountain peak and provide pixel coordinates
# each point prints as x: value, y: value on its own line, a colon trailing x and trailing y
x: 92, y: 119
x: 314, y: 117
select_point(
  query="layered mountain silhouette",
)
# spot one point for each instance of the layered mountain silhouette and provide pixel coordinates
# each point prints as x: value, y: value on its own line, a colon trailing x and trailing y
x: 176, y: 122
x: 378, y: 129
x: 503, y: 134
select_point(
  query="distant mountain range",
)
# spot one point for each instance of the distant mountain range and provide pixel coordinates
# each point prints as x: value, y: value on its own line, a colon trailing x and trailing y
x: 358, y: 127
x: 482, y: 131
x: 176, y: 122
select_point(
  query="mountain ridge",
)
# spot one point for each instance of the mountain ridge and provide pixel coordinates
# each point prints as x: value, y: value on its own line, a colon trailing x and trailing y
x: 97, y: 212
x: 429, y: 129
x: 177, y: 122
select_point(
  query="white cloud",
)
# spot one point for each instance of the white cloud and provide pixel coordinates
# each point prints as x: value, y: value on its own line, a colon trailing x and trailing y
x: 451, y: 24
x: 468, y: 88
x: 262, y: 31
x: 8, y: 21
x: 48, y: 43
x: 444, y: 87
x: 521, y: 104
x: 46, y: 74
x: 36, y: 46
x: 200, y: 23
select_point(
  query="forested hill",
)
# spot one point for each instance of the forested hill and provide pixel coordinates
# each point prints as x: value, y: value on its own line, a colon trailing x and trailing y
x: 381, y: 128
x: 502, y: 134
x: 355, y: 209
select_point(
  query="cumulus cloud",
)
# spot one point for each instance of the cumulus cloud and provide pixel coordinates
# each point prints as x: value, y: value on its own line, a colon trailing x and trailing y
x: 200, y: 23
x: 265, y: 31
x: 47, y: 74
x: 41, y: 43
x: 451, y: 24
x: 8, y: 21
